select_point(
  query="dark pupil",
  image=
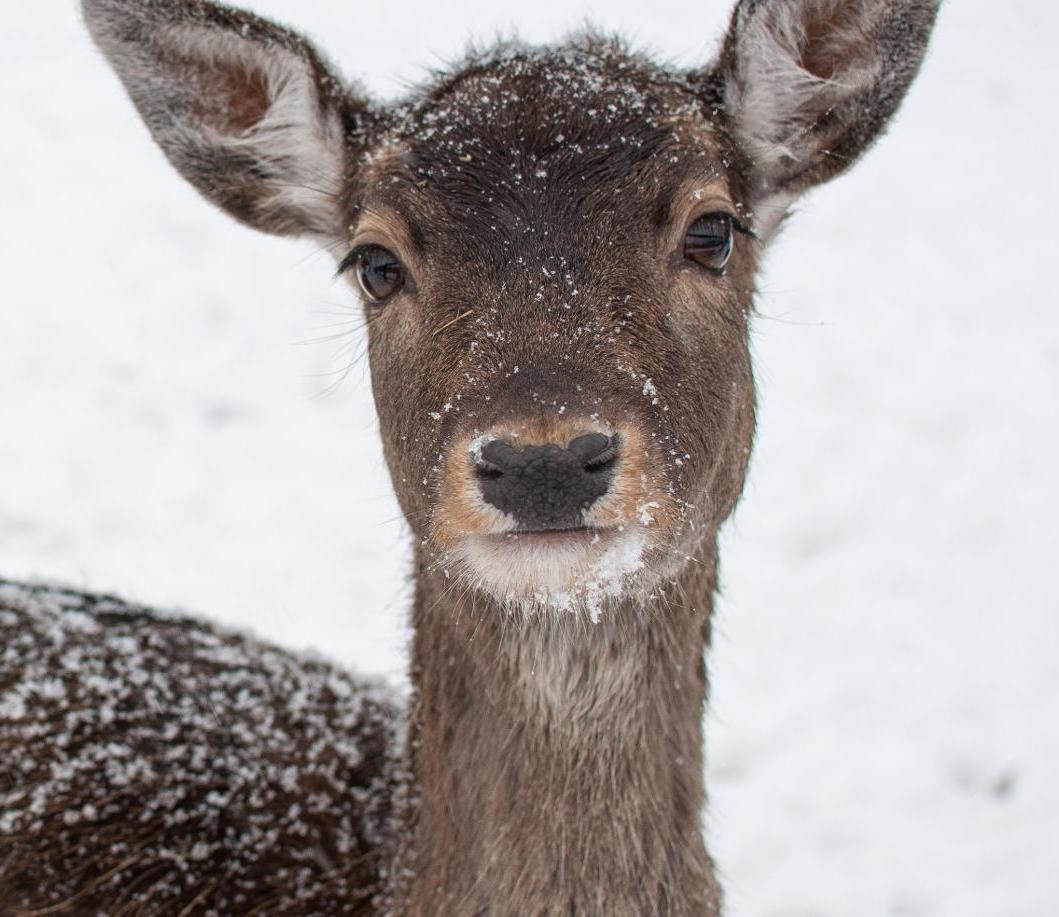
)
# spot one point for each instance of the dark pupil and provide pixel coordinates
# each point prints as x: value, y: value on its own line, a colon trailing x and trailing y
x: 379, y: 272
x: 709, y: 241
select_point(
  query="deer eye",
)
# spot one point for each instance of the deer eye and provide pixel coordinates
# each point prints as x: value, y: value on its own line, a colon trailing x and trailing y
x: 379, y: 272
x: 709, y: 241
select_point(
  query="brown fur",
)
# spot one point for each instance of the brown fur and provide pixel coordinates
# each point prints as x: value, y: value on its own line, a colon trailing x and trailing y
x: 538, y: 198
x: 560, y: 762
x: 150, y: 764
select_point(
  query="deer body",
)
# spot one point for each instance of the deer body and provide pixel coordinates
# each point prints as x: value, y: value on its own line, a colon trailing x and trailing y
x: 556, y: 251
x: 157, y: 765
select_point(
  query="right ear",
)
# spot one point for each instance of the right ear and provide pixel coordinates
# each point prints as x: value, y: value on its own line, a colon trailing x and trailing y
x: 246, y: 111
x: 808, y: 85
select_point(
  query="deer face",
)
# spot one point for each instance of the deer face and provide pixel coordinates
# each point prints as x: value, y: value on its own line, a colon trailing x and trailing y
x: 557, y: 270
x: 556, y: 251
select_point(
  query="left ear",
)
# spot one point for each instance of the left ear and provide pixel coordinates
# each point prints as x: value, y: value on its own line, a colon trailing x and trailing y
x: 247, y: 111
x: 808, y: 85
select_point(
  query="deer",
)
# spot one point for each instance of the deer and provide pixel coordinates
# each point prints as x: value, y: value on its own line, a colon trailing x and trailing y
x: 555, y: 248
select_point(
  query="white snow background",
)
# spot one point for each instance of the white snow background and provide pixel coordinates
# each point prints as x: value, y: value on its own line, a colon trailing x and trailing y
x: 884, y: 734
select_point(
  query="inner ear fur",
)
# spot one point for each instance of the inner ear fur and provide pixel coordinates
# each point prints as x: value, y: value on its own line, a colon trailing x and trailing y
x: 246, y: 110
x: 807, y: 86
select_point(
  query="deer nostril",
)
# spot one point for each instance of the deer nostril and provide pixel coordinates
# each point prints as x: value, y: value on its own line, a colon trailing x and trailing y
x: 486, y: 469
x: 595, y: 451
x: 494, y: 459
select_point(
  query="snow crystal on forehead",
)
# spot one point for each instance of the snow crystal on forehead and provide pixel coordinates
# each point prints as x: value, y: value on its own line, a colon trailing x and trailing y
x: 183, y: 752
x: 592, y: 84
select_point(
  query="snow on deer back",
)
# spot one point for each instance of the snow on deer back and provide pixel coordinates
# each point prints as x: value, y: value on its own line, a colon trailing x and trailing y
x: 149, y: 764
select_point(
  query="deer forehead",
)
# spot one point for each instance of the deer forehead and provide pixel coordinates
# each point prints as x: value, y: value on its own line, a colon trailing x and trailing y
x: 523, y: 142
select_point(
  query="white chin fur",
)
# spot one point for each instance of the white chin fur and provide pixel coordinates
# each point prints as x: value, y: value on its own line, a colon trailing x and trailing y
x: 563, y: 574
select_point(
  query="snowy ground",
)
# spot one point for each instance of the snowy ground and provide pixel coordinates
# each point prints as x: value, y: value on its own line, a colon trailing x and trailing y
x: 884, y: 740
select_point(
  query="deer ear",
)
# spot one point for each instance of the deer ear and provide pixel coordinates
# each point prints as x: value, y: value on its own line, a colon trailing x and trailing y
x: 808, y: 85
x: 248, y: 112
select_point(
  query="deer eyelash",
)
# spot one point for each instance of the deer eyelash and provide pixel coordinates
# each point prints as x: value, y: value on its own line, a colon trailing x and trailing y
x: 350, y: 259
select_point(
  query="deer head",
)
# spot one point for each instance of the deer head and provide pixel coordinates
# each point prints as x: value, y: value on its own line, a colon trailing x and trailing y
x: 555, y: 249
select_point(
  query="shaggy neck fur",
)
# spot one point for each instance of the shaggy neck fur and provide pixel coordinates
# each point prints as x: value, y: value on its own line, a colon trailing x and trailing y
x: 557, y: 764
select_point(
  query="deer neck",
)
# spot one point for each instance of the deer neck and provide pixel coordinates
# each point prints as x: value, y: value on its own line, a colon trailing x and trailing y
x: 557, y: 764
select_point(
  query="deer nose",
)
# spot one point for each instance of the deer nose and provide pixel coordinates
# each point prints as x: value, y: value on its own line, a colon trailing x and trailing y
x: 550, y: 486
